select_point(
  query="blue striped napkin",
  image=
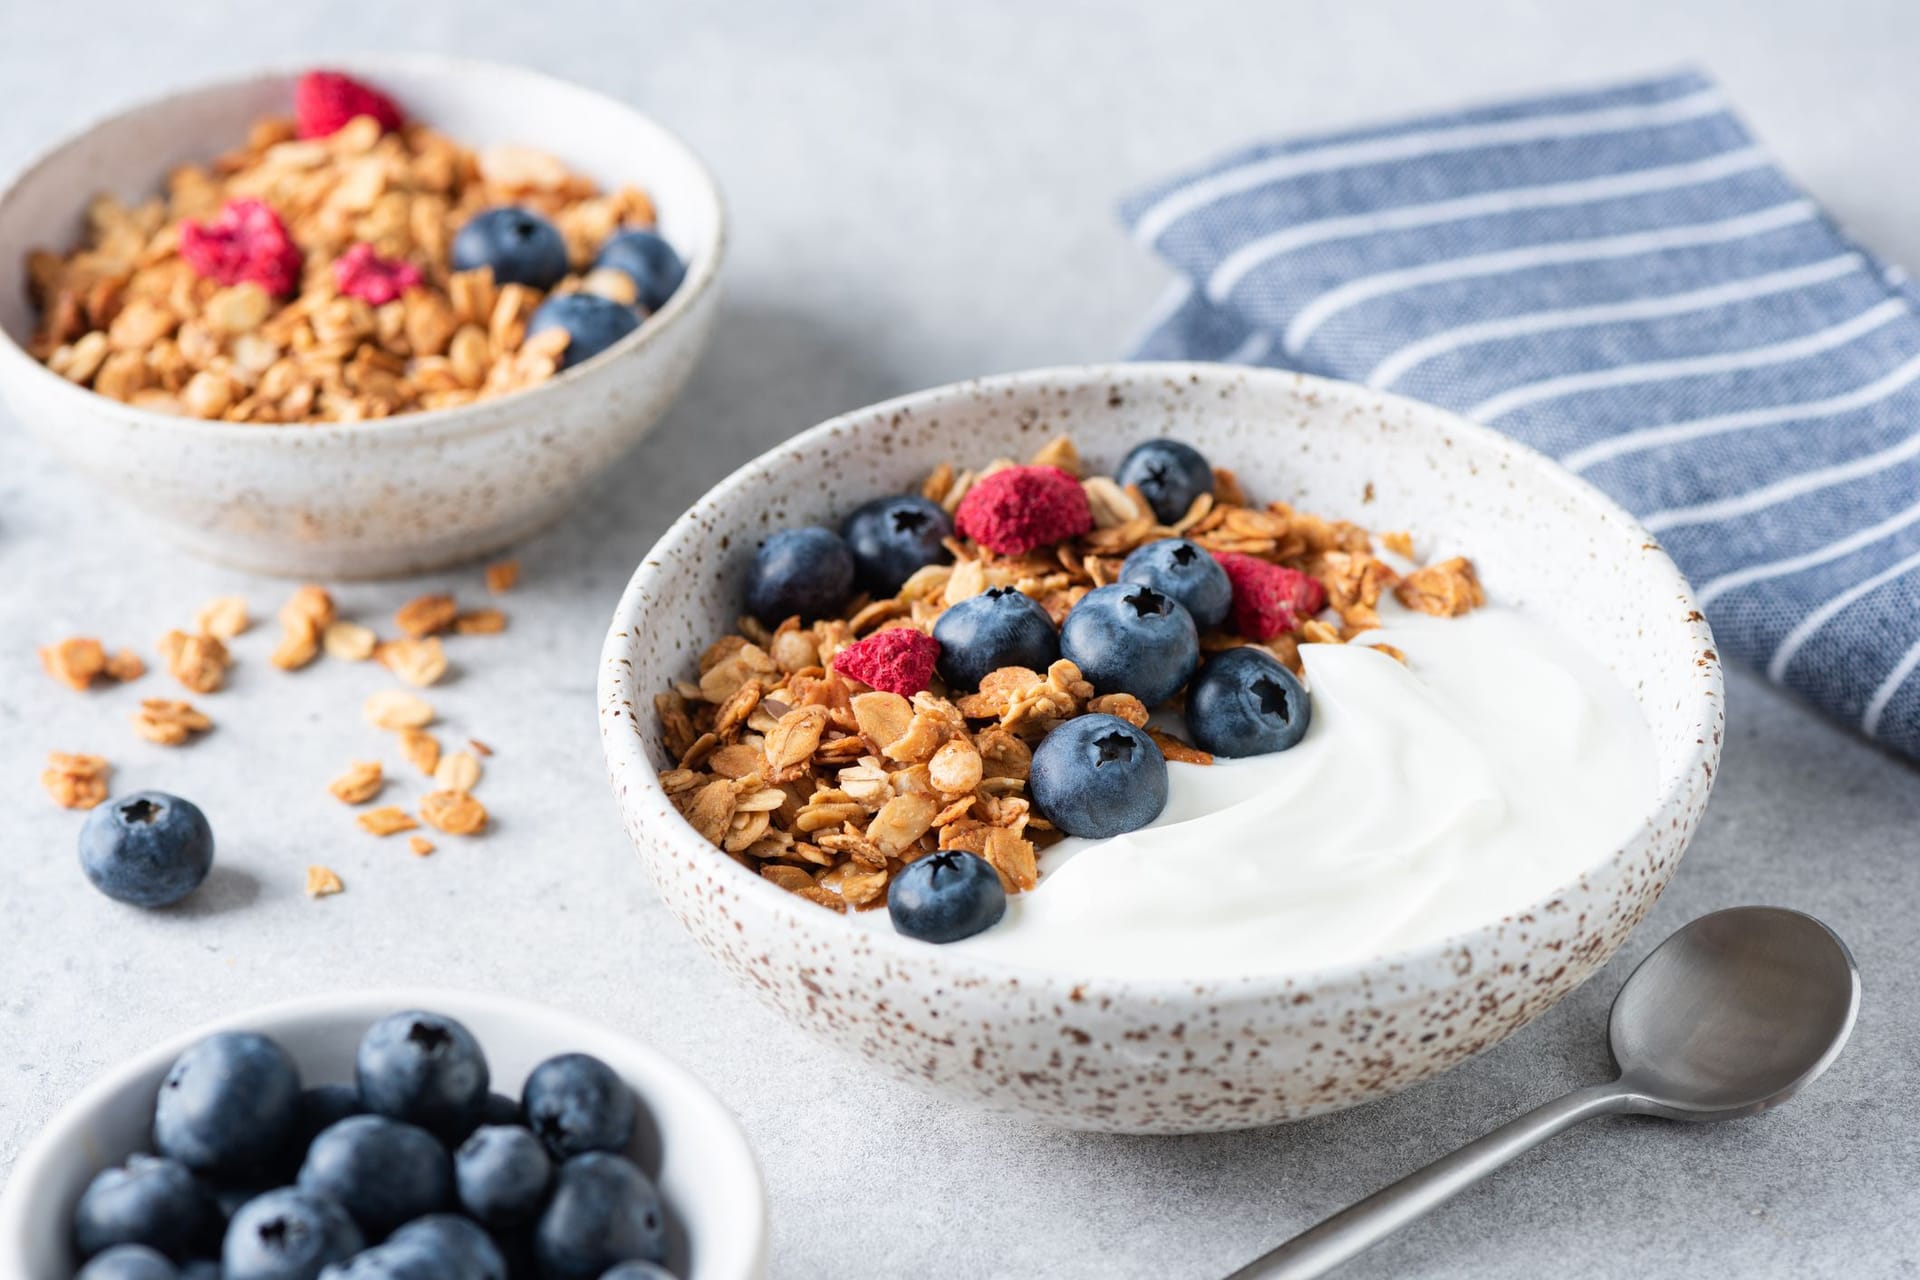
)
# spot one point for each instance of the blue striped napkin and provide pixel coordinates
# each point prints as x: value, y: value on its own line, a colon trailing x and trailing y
x: 1624, y: 280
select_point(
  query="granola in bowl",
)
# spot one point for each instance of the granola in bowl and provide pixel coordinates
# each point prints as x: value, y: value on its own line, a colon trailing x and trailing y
x: 1102, y: 722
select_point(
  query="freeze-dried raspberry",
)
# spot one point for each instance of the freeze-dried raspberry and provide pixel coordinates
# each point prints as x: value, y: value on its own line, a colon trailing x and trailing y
x: 324, y: 101
x: 1017, y: 509
x: 1269, y: 598
x: 361, y: 273
x: 247, y: 243
x: 898, y: 660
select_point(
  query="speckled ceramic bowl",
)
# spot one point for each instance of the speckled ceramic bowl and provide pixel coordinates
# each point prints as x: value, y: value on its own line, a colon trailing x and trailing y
x: 1172, y: 1055
x: 691, y: 1144
x: 381, y: 498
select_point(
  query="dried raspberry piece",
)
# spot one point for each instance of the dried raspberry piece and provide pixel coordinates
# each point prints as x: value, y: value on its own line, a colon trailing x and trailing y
x: 898, y: 660
x: 361, y: 273
x: 247, y: 243
x: 324, y: 101
x: 1017, y: 509
x: 1269, y: 598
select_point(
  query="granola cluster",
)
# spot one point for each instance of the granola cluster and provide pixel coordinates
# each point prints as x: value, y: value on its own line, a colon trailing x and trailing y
x: 828, y: 786
x: 372, y: 320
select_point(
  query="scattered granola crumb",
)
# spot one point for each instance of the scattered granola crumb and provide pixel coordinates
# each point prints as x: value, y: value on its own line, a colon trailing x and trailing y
x: 479, y: 747
x: 397, y: 709
x: 1398, y: 541
x: 348, y: 641
x: 502, y: 575
x: 75, y: 781
x: 386, y: 821
x: 421, y: 749
x: 322, y: 882
x: 360, y: 783
x: 198, y: 662
x: 304, y: 620
x: 426, y: 615
x: 455, y: 812
x: 168, y: 722
x: 75, y: 662
x: 480, y: 622
x: 310, y: 604
x: 418, y: 662
x: 420, y: 845
x: 223, y: 618
x: 124, y: 666
x: 1177, y: 749
x: 457, y: 772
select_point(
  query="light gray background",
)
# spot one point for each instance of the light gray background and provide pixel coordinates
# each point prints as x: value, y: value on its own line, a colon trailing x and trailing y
x: 923, y: 193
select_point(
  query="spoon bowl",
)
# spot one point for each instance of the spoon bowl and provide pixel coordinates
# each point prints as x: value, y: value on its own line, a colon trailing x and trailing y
x: 1733, y: 1014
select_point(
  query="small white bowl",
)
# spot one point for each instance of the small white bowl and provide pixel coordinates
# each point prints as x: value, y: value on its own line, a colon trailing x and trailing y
x: 716, y: 1202
x: 405, y: 494
x: 1178, y: 1055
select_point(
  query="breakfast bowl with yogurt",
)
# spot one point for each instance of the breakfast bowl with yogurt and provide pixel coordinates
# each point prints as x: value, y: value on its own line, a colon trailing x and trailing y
x: 1159, y: 748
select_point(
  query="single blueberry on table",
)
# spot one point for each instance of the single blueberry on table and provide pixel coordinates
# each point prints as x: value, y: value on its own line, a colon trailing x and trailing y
x: 151, y: 1201
x: 1000, y: 627
x: 129, y: 1262
x: 383, y: 1171
x: 288, y: 1234
x: 576, y: 1103
x: 501, y: 1174
x: 1098, y: 776
x: 521, y: 246
x: 148, y: 849
x: 1169, y: 473
x: 649, y: 261
x: 228, y: 1106
x: 1129, y: 638
x: 423, y: 1068
x: 1245, y: 703
x: 946, y: 896
x: 892, y: 538
x: 593, y: 324
x: 806, y: 571
x: 464, y: 1249
x: 1185, y: 571
x: 603, y: 1211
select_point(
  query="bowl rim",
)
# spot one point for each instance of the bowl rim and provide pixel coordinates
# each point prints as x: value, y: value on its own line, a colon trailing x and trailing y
x: 723, y: 1134
x: 637, y: 788
x: 702, y: 272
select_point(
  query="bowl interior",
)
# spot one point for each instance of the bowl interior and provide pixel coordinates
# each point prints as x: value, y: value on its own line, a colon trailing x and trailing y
x: 687, y: 1139
x: 477, y: 104
x: 1543, y: 541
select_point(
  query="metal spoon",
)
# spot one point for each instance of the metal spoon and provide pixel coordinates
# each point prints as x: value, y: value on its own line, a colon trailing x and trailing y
x: 1731, y: 1015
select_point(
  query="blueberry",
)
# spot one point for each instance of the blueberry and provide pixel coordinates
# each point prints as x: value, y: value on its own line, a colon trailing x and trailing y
x: 637, y: 1271
x: 649, y: 261
x: 288, y: 1234
x: 1098, y: 776
x: 465, y: 1250
x: 1245, y: 703
x: 1000, y: 627
x: 501, y: 1174
x: 592, y: 322
x: 891, y: 538
x: 383, y: 1171
x: 521, y: 247
x: 423, y: 1068
x: 228, y: 1106
x: 603, y: 1211
x: 1128, y: 638
x: 320, y: 1107
x: 500, y: 1109
x: 152, y: 1201
x: 1185, y: 571
x: 1169, y: 473
x: 129, y: 1262
x: 946, y: 896
x: 808, y: 571
x: 577, y: 1103
x: 200, y: 1269
x: 409, y: 1261
x: 149, y: 849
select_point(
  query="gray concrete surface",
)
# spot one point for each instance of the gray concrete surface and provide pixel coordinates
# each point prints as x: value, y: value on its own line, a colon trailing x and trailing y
x: 923, y: 192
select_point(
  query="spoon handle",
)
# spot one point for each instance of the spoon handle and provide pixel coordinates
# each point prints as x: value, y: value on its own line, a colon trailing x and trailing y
x: 1319, y: 1249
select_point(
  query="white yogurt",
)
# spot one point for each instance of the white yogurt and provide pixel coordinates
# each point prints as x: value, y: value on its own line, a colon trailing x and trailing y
x: 1425, y: 799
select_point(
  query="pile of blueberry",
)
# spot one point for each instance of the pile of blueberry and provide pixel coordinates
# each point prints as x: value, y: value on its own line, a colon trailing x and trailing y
x: 1095, y: 775
x: 524, y: 248
x: 413, y: 1172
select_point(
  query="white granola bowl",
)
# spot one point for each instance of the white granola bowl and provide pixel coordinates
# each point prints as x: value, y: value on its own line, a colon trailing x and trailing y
x: 1177, y: 1055
x: 692, y: 1145
x: 382, y: 498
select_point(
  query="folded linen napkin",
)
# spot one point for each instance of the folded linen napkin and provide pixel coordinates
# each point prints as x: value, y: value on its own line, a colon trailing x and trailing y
x: 1624, y: 280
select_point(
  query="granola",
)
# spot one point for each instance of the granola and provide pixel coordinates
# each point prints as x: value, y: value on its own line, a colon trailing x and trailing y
x: 169, y: 722
x: 75, y: 781
x: 829, y: 787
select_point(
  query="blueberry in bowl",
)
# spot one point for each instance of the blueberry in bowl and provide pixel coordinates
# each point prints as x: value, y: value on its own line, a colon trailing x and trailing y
x: 806, y: 572
x: 893, y: 538
x: 1098, y: 776
x: 1171, y: 473
x: 649, y: 261
x: 946, y: 896
x: 1244, y: 702
x: 1000, y: 627
x: 1129, y: 638
x: 592, y: 324
x: 1186, y: 572
x: 520, y: 247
